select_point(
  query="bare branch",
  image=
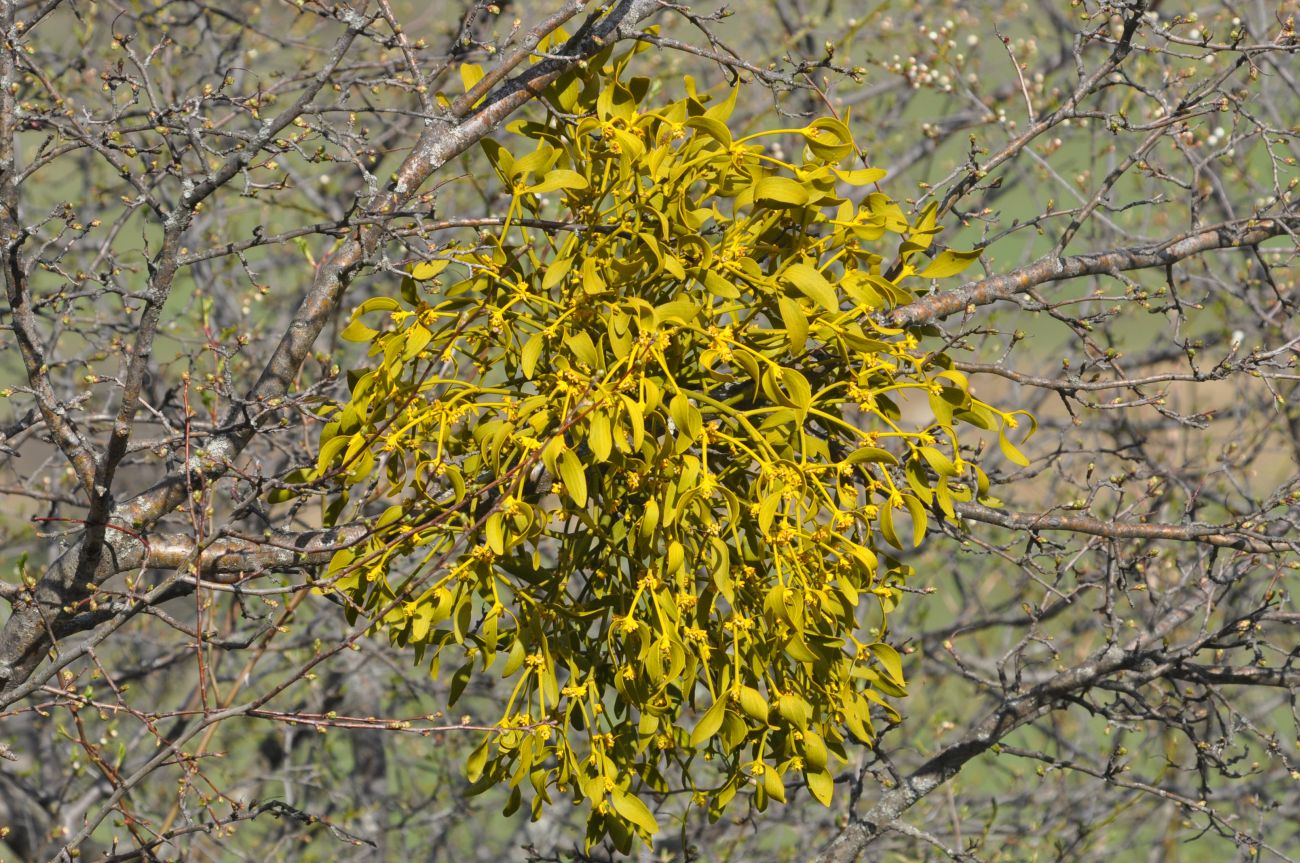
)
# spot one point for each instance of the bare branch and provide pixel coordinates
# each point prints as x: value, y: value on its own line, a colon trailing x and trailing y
x: 1054, y: 269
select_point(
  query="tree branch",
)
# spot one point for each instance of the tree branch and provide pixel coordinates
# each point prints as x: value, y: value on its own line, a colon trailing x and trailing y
x: 1222, y: 536
x: 1230, y: 235
x: 226, y: 555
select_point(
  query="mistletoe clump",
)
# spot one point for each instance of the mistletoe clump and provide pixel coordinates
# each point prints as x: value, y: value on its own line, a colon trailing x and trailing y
x: 648, y: 451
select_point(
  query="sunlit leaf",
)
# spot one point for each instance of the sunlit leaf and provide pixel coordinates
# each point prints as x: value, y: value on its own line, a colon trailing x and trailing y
x: 777, y: 191
x: 949, y: 263
x: 814, y: 285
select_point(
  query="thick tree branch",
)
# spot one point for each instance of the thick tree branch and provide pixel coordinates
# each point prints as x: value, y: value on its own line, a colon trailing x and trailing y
x: 1247, y: 232
x: 1282, y: 677
x: 233, y: 555
x: 1222, y: 536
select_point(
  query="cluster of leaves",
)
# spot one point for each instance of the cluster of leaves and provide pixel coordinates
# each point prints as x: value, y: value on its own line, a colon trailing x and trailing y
x: 648, y: 443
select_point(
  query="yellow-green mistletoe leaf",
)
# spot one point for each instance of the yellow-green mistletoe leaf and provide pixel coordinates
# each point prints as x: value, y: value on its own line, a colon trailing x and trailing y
x: 949, y: 263
x: 776, y: 191
x: 573, y: 476
x: 813, y: 284
x: 426, y: 270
